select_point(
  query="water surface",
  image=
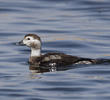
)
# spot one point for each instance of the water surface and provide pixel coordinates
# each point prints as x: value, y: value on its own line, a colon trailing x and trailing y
x: 76, y: 27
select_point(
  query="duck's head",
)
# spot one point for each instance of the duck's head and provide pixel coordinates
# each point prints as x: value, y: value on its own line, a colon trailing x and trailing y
x: 32, y: 41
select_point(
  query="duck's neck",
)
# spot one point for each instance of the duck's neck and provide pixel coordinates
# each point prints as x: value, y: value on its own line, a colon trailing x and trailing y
x: 35, y: 52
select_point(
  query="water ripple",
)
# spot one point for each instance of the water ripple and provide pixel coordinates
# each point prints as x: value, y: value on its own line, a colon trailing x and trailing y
x: 75, y: 27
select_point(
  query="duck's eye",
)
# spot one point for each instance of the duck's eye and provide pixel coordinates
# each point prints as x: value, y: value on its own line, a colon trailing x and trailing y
x: 28, y: 38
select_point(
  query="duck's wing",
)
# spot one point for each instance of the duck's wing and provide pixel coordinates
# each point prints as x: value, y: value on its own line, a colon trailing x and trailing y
x: 58, y: 59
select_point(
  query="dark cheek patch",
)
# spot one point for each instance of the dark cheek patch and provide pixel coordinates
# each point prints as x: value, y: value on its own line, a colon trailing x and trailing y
x: 33, y: 45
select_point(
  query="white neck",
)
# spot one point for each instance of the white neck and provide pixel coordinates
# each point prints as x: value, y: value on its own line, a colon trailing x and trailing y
x: 35, y: 52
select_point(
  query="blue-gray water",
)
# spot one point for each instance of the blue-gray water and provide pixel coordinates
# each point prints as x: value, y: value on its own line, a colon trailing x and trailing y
x: 76, y: 27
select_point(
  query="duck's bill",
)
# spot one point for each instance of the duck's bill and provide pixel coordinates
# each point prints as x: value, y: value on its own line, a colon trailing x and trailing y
x: 20, y: 43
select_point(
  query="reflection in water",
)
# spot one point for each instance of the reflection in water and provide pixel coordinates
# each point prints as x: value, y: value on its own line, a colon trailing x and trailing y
x: 37, y: 69
x: 42, y: 69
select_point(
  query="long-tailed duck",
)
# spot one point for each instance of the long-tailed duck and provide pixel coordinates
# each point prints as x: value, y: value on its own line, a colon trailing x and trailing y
x: 50, y: 59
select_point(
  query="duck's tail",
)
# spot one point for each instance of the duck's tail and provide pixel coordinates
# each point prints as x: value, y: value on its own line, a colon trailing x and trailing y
x: 92, y: 61
x: 100, y: 61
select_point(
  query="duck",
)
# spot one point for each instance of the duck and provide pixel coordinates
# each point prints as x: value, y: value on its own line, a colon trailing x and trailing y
x: 51, y: 59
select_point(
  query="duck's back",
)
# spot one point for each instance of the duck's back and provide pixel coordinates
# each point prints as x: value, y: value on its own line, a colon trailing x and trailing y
x: 59, y: 59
